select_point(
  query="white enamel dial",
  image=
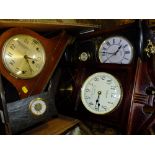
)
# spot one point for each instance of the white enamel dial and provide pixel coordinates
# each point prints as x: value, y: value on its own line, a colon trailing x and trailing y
x: 115, y: 49
x: 37, y: 106
x: 23, y: 56
x: 101, y: 93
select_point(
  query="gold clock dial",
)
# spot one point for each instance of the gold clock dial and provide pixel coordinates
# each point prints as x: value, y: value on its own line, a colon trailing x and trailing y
x: 101, y: 93
x: 23, y: 56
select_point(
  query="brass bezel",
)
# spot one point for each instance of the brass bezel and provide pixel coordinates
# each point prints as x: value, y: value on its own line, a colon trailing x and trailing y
x: 31, y: 103
x: 12, y: 73
x: 121, y: 95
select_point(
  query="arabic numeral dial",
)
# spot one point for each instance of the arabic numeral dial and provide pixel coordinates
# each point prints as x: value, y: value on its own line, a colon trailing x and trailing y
x: 101, y: 93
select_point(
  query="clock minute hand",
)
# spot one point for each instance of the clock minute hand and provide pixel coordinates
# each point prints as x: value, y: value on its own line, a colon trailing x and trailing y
x: 21, y: 44
x: 97, y: 105
x: 26, y: 58
x: 118, y: 49
x: 114, y: 53
x: 24, y: 46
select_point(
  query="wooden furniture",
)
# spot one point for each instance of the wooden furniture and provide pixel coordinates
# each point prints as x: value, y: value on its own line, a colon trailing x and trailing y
x: 58, y: 126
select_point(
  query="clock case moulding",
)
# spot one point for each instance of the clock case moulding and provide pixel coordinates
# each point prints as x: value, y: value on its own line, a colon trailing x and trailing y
x: 77, y: 72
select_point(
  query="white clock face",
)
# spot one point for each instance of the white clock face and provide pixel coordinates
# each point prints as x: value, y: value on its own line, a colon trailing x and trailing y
x: 101, y: 93
x: 37, y: 107
x: 117, y: 50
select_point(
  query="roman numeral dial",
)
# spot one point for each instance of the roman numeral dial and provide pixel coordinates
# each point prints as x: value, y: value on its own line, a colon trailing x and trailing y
x: 101, y: 93
x: 115, y: 49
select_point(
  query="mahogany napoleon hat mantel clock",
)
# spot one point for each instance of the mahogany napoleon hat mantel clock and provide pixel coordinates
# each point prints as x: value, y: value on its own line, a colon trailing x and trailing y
x: 28, y: 59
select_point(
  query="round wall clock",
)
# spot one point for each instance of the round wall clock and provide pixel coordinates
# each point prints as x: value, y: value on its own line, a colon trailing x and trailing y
x: 28, y: 59
x: 116, y: 49
x: 101, y: 93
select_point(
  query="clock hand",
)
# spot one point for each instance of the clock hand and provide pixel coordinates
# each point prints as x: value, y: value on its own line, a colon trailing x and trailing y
x: 107, y: 52
x: 118, y: 49
x: 24, y: 46
x: 25, y: 57
x: 114, y: 53
x: 97, y: 105
x: 21, y: 44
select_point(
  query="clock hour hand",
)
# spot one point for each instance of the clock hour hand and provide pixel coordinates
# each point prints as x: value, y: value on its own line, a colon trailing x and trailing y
x: 27, y: 57
x: 108, y: 52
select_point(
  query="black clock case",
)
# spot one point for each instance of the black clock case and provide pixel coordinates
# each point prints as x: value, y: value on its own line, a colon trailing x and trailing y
x: 20, y: 117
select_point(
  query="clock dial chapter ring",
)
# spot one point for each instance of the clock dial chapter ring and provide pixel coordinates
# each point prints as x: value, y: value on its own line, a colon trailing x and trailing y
x: 37, y: 107
x: 23, y: 56
x: 115, y: 49
x: 101, y: 93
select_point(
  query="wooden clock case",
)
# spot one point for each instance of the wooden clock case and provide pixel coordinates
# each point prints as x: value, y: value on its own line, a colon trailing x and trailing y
x: 142, y: 115
x: 54, y: 48
x: 14, y: 108
x: 75, y: 72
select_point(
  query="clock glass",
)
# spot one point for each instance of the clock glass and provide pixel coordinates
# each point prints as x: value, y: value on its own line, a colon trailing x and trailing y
x: 101, y: 93
x: 116, y: 49
x: 37, y: 106
x: 23, y: 56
